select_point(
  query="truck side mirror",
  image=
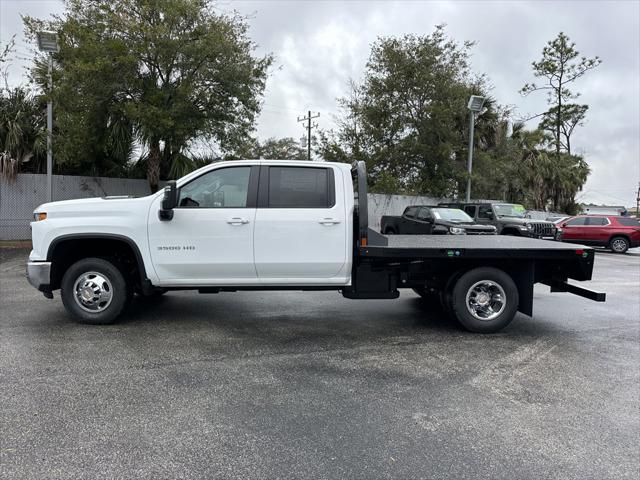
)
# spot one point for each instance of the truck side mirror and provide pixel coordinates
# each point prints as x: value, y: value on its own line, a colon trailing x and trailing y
x: 169, y: 201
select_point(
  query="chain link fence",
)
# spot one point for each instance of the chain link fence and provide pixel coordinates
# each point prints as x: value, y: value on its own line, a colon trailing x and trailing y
x: 18, y: 198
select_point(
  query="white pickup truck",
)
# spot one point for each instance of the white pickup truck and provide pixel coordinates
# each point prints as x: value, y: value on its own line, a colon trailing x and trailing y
x: 281, y: 225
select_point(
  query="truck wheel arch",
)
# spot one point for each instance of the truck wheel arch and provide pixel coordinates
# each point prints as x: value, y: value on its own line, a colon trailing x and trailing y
x: 77, y: 246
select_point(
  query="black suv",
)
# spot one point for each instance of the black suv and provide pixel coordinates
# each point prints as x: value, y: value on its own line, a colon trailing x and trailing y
x: 508, y: 218
x: 427, y: 220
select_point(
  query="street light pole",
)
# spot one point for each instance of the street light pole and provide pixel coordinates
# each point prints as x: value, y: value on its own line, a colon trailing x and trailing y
x: 472, y: 123
x: 48, y: 43
x: 49, y: 133
x: 475, y: 106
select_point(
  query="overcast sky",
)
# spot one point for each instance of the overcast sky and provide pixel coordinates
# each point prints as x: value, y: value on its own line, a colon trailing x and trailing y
x: 319, y: 46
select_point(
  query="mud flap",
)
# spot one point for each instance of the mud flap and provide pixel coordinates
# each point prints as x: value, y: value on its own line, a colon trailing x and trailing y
x: 524, y: 276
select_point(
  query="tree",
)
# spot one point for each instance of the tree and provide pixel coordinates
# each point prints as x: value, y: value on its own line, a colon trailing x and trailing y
x: 561, y: 65
x: 163, y: 73
x: 22, y: 124
x: 408, y: 118
x: 271, y: 149
x: 23, y: 135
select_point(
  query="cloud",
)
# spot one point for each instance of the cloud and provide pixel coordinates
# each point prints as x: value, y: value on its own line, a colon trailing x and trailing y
x: 320, y: 45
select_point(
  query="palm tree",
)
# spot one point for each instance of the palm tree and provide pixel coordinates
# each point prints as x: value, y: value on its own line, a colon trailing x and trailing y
x: 23, y: 134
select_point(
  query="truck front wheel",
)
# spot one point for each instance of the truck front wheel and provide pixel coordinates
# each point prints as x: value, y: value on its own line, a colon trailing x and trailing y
x: 94, y: 291
x: 484, y: 300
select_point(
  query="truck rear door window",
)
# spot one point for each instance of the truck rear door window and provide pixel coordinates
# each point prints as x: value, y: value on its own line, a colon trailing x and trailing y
x: 411, y: 212
x: 300, y: 187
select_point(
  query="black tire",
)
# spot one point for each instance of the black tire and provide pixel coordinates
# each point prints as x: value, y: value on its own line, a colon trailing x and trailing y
x: 390, y: 231
x: 499, y: 285
x: 99, y: 277
x: 619, y: 244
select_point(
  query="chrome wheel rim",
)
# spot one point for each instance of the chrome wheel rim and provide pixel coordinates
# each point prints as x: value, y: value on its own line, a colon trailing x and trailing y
x: 486, y: 300
x: 93, y: 292
x: 618, y: 245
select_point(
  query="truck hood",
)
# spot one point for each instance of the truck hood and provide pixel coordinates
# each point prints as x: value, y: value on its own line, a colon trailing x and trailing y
x: 521, y: 220
x: 98, y: 205
x: 475, y: 226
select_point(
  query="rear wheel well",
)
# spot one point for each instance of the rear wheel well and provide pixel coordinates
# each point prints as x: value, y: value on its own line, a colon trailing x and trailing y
x: 66, y: 252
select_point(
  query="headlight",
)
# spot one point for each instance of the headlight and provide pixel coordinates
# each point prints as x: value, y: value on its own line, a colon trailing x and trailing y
x: 37, y: 216
x: 529, y: 226
x: 457, y: 231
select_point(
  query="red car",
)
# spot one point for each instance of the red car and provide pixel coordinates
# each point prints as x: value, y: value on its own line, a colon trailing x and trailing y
x: 617, y: 233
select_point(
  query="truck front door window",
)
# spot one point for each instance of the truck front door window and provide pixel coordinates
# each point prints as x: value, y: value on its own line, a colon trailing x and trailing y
x: 224, y: 188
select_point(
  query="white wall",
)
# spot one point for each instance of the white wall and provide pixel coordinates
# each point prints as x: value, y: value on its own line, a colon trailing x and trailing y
x: 380, y: 205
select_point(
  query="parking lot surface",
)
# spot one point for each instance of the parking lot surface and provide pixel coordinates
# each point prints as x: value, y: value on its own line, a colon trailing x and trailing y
x: 312, y: 385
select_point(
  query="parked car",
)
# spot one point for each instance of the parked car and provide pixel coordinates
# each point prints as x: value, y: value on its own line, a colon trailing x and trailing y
x: 508, y: 218
x: 611, y: 231
x: 428, y: 220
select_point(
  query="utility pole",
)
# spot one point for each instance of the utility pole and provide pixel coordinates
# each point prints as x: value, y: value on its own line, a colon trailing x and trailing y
x: 638, y: 202
x: 308, y: 119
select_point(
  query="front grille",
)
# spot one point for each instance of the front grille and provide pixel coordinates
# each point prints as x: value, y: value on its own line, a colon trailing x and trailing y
x: 544, y: 229
x: 480, y: 232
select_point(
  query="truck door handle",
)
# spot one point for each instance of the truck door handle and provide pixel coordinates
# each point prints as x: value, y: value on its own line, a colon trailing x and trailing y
x: 237, y: 221
x: 328, y: 221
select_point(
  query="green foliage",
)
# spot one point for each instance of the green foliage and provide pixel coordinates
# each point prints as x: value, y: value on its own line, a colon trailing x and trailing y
x: 270, y: 149
x: 408, y: 121
x: 163, y: 73
x: 408, y: 118
x: 23, y: 135
x: 560, y: 66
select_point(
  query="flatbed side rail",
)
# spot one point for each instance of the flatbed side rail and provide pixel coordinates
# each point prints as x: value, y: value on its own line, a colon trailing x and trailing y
x: 563, y: 286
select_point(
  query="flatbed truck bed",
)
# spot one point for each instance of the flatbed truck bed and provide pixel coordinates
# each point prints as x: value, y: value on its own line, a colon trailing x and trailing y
x: 444, y: 268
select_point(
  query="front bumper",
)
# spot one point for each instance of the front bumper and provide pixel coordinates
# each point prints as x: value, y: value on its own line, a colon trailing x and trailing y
x: 39, y: 275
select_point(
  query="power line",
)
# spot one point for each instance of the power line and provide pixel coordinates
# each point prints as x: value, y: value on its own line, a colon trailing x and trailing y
x: 308, y: 119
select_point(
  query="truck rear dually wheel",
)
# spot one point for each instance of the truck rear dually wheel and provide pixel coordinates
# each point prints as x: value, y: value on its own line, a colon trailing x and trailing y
x: 484, y: 300
x: 94, y: 291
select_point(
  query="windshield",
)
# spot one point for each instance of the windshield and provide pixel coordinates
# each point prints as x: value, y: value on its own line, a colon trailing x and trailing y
x: 451, y: 215
x: 509, y: 210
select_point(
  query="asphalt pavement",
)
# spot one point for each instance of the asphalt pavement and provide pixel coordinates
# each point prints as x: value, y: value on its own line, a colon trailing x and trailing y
x: 312, y: 385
